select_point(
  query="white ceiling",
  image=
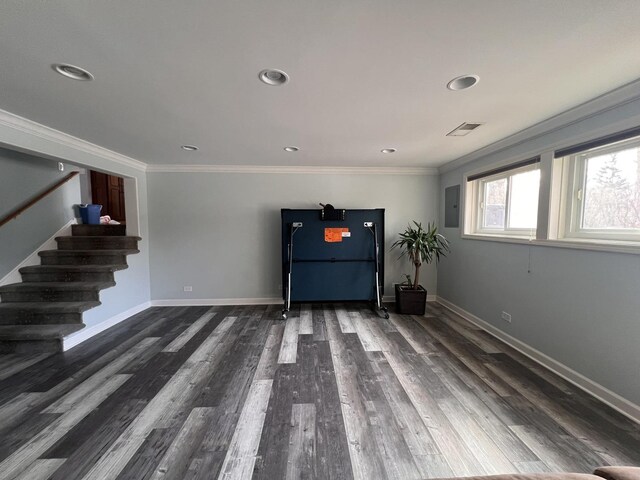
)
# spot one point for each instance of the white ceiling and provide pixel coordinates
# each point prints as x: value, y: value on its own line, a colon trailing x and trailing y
x: 365, y: 75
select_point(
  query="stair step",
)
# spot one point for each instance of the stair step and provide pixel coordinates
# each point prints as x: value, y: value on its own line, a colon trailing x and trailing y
x: 97, y: 242
x: 86, y: 257
x: 37, y: 332
x: 66, y: 286
x: 71, y: 268
x: 53, y: 307
x: 98, y: 230
x: 53, y: 291
x: 69, y: 273
x: 34, y: 338
x: 28, y: 346
x: 34, y: 313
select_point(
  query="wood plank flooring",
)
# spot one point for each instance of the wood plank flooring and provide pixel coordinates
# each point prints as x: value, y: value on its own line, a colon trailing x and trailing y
x: 332, y: 392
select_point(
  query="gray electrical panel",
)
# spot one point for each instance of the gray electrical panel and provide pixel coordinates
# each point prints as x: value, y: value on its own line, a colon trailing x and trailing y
x: 451, y: 207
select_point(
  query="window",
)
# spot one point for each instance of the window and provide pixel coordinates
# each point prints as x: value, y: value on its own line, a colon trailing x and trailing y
x: 591, y: 197
x: 602, y: 192
x: 505, y: 201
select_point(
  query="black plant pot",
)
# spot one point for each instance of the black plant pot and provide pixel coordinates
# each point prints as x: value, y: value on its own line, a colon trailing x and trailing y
x: 409, y: 301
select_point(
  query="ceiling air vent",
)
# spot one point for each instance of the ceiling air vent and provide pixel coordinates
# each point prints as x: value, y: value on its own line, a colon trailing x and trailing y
x: 464, y: 129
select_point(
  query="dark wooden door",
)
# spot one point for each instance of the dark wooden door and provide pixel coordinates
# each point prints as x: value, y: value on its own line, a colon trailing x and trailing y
x: 108, y: 191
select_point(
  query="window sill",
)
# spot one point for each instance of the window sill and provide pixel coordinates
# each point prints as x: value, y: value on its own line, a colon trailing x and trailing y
x: 614, y: 246
x: 576, y: 244
x: 497, y: 238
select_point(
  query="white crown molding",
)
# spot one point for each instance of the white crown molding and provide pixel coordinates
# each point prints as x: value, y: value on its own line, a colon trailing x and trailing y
x: 291, y: 169
x: 615, y: 401
x: 30, y: 127
x: 596, y: 106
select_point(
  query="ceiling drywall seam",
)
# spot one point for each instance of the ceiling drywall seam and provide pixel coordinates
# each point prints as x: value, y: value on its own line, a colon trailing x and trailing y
x: 608, y: 101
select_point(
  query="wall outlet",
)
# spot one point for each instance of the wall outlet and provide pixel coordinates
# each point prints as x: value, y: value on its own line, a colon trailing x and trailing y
x: 188, y: 288
x: 506, y: 317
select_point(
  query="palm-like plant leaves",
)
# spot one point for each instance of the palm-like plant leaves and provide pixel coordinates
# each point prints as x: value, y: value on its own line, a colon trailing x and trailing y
x: 422, y: 245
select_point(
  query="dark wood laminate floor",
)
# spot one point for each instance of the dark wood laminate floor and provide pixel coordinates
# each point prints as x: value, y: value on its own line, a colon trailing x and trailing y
x: 333, y: 392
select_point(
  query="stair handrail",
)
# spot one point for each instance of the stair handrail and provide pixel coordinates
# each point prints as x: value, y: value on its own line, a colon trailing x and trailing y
x: 10, y: 216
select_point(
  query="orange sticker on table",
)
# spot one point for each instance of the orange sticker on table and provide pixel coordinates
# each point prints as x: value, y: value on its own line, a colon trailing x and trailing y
x: 333, y: 235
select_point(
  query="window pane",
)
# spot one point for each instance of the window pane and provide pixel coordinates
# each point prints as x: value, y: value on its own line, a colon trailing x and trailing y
x: 612, y: 191
x: 523, y: 200
x: 495, y: 199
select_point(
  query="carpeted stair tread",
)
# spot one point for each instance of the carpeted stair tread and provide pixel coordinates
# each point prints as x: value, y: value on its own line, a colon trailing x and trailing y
x: 97, y: 242
x: 121, y: 251
x: 72, y: 268
x: 99, y: 237
x: 45, y: 312
x: 48, y: 307
x: 37, y: 286
x: 37, y: 332
x: 38, y: 313
x: 98, y: 230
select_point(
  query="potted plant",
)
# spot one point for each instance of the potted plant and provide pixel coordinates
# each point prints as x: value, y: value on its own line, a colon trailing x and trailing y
x: 420, y: 245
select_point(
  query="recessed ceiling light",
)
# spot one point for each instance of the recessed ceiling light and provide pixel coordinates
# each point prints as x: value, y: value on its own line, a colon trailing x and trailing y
x: 463, y: 82
x: 272, y: 76
x: 189, y: 148
x: 388, y: 150
x: 71, y: 71
x: 291, y: 149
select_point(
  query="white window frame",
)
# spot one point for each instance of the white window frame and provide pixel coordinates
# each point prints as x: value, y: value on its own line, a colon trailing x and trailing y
x: 573, y: 198
x: 477, y: 190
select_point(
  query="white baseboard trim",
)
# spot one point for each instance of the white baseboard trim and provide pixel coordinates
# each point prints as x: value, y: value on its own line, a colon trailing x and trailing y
x: 14, y: 275
x: 603, y: 394
x: 180, y: 302
x: 85, y: 334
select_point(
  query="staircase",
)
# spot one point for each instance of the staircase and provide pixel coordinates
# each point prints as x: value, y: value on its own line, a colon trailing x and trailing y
x: 36, y: 314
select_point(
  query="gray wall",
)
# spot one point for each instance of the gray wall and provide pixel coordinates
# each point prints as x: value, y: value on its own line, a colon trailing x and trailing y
x: 581, y: 308
x: 220, y: 233
x: 22, y: 177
